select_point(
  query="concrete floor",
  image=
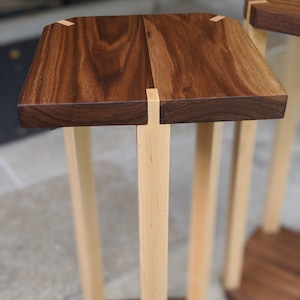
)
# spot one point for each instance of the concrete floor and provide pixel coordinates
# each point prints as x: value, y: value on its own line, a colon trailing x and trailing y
x: 37, y: 246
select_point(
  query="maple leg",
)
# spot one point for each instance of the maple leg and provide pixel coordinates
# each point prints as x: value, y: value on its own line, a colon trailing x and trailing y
x: 239, y: 193
x: 242, y: 161
x: 282, y: 148
x: 205, y: 187
x: 78, y: 151
x: 153, y: 151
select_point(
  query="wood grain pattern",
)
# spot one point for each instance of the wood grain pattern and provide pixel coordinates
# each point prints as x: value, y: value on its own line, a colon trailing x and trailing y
x: 96, y: 72
x: 213, y: 66
x: 276, y: 15
x: 85, y: 212
x: 92, y: 73
x: 203, y: 208
x: 241, y: 171
x: 258, y: 36
x: 153, y: 153
x: 283, y: 141
x: 272, y: 267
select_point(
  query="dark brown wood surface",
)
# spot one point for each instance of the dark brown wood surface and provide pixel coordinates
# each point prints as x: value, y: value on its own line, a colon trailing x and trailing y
x: 271, y: 267
x: 92, y: 73
x: 96, y: 72
x: 276, y: 15
x: 213, y: 66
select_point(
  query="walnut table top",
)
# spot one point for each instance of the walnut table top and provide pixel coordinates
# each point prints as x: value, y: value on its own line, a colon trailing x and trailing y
x: 95, y: 71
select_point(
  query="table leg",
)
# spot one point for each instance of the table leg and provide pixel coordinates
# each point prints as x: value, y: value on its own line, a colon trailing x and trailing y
x: 239, y: 193
x: 285, y: 132
x: 258, y: 37
x: 205, y: 187
x: 242, y: 160
x: 78, y: 150
x: 153, y: 152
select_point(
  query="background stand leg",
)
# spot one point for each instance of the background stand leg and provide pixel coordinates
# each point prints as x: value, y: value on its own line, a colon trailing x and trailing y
x: 239, y: 193
x: 283, y: 143
x: 205, y: 187
x: 242, y: 160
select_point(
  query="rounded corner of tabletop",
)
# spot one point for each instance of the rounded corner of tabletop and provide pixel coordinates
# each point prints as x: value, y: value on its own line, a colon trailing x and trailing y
x: 93, y: 71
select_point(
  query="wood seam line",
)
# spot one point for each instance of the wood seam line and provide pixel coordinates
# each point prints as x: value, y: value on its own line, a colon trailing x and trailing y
x: 148, y: 56
x: 249, y: 6
x: 65, y: 23
x: 153, y: 104
x: 217, y: 18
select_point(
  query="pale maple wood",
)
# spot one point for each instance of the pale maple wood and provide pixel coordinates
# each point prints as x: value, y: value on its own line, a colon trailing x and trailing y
x: 170, y: 298
x: 122, y: 56
x: 258, y: 36
x: 242, y: 160
x: 217, y: 18
x: 66, y: 23
x: 282, y: 148
x: 205, y: 186
x: 239, y: 193
x: 78, y: 151
x: 153, y: 155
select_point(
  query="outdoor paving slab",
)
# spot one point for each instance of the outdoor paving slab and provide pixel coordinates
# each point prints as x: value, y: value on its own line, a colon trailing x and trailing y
x: 43, y: 156
x: 37, y: 247
x: 6, y: 182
